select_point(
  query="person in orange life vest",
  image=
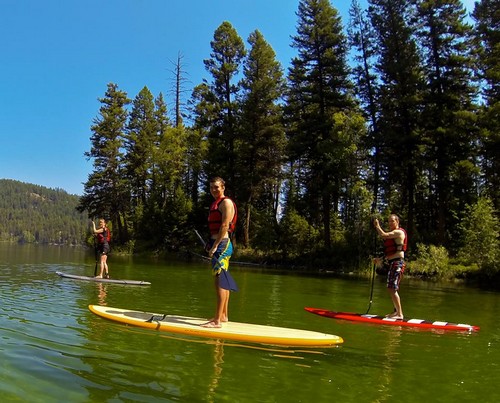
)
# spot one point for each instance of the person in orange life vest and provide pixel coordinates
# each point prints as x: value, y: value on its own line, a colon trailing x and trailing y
x: 221, y: 222
x: 102, y: 235
x: 395, y: 243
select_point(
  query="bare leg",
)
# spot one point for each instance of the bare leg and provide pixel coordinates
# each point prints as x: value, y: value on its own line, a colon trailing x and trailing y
x: 396, y: 301
x: 104, y: 266
x: 222, y: 306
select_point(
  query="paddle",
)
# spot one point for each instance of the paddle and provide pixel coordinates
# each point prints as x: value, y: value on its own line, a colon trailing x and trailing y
x: 201, y: 239
x: 371, y: 291
x: 226, y: 281
x: 96, y: 257
x: 373, y: 268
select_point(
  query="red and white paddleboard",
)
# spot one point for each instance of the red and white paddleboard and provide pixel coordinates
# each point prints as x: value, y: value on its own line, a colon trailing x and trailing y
x: 382, y: 320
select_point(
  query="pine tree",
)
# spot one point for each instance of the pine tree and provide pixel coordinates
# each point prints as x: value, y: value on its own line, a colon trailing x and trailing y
x: 261, y: 142
x: 361, y: 36
x: 401, y: 85
x: 319, y: 88
x: 106, y: 192
x: 448, y: 113
x: 487, y: 37
x: 227, y: 54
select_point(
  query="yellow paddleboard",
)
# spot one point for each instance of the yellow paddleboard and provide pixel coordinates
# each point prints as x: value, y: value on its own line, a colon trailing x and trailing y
x: 244, y: 332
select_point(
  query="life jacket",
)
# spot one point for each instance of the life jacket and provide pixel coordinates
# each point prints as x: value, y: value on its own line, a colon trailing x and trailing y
x: 391, y: 247
x: 105, y: 236
x: 215, y: 217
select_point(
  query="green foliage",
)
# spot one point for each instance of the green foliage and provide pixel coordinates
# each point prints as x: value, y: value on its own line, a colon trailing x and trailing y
x: 261, y: 140
x: 481, y: 242
x: 298, y: 237
x: 107, y: 191
x: 431, y: 261
x: 35, y: 214
x: 318, y: 104
x: 410, y: 137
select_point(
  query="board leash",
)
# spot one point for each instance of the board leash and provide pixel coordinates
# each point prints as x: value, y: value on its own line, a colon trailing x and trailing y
x: 156, y: 318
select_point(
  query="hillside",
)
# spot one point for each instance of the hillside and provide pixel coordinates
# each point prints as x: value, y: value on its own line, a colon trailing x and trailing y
x: 32, y: 213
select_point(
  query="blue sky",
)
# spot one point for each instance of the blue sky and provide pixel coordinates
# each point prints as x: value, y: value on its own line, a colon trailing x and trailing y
x: 57, y: 57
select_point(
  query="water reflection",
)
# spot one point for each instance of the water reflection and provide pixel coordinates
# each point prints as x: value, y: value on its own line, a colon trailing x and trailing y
x: 389, y: 376
x: 53, y: 348
x: 217, y: 370
x: 102, y: 293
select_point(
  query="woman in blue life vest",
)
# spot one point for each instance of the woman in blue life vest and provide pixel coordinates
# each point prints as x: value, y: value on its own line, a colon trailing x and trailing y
x: 102, y: 236
x: 395, y: 244
x: 221, y: 222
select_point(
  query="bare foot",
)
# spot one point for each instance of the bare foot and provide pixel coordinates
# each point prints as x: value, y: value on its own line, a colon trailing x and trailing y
x: 394, y: 315
x: 211, y: 324
x: 223, y: 320
x: 98, y: 277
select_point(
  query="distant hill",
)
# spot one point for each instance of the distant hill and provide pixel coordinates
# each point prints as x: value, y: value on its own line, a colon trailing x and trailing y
x: 32, y: 213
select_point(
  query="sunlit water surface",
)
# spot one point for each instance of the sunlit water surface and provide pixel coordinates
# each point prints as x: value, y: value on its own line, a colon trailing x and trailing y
x: 54, y: 349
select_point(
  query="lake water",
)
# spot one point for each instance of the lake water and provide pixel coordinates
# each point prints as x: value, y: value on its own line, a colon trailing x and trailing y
x: 54, y: 349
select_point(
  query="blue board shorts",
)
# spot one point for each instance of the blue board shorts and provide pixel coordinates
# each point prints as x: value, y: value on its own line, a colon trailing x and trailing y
x: 220, y: 264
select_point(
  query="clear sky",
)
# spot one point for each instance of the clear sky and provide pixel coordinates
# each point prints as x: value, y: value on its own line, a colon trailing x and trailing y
x: 57, y: 57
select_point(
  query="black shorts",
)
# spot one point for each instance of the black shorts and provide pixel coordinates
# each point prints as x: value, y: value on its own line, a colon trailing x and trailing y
x: 103, y: 248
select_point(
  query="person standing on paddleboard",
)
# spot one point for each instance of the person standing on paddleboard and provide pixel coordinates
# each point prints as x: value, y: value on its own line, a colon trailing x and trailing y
x: 102, y: 235
x: 221, y: 223
x: 395, y: 243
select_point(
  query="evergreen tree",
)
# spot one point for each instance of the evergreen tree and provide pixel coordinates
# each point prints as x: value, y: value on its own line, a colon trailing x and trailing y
x: 448, y: 114
x: 487, y: 37
x: 140, y: 143
x: 227, y: 54
x: 361, y: 36
x: 261, y: 142
x: 319, y: 88
x: 401, y: 85
x: 106, y: 192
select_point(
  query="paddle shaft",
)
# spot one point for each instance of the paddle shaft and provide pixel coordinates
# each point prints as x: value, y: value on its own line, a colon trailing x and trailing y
x: 201, y: 239
x: 96, y: 257
x: 371, y: 291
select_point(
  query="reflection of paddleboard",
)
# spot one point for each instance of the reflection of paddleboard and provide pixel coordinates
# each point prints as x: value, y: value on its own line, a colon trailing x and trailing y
x: 230, y: 331
x: 102, y: 280
x: 381, y: 320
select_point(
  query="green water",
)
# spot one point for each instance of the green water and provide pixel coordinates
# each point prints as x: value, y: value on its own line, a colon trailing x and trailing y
x: 54, y: 349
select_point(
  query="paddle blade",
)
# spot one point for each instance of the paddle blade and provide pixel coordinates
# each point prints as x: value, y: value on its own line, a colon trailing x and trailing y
x: 226, y: 281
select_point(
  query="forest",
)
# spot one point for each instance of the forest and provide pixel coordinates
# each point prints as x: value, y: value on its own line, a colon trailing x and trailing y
x: 394, y: 111
x: 36, y: 214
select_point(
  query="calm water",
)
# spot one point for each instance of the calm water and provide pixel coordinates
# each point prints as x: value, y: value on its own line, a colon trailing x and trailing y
x: 54, y: 349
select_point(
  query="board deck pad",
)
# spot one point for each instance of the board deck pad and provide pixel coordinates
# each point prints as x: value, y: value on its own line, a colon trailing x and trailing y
x: 382, y: 320
x: 244, y: 332
x: 102, y: 280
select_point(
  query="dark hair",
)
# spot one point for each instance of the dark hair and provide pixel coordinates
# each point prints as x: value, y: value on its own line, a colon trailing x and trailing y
x: 218, y: 179
x: 395, y: 217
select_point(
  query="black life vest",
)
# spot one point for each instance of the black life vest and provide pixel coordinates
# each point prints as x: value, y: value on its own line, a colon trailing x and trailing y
x: 391, y: 247
x: 215, y: 217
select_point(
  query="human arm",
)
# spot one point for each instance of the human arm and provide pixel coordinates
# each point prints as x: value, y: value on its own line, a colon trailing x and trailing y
x: 396, y: 233
x: 97, y: 230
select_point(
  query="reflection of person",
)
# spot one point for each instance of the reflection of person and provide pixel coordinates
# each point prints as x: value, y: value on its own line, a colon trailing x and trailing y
x: 221, y: 223
x: 395, y: 243
x: 102, y: 235
x: 102, y: 288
